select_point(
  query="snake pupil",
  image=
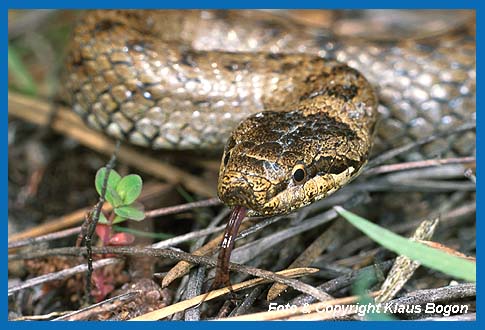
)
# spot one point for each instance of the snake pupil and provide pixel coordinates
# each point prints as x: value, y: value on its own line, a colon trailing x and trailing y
x: 299, y: 175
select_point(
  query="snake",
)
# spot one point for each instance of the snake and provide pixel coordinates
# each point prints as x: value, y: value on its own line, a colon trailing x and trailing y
x: 297, y: 112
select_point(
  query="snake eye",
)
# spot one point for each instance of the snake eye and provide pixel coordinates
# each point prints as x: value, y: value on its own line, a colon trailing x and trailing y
x: 299, y: 173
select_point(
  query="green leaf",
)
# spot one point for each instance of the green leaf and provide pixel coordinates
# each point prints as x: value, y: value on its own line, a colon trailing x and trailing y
x: 118, y: 219
x: 185, y: 195
x: 102, y: 219
x: 130, y: 212
x: 360, y: 288
x: 113, y: 197
x: 427, y: 256
x: 20, y: 73
x: 114, y: 178
x: 129, y: 188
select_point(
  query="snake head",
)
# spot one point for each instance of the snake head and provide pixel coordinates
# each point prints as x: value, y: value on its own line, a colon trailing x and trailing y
x: 276, y: 162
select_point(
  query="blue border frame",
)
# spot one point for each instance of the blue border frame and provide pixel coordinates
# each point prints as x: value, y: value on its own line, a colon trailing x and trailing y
x: 250, y: 4
x: 26, y: 4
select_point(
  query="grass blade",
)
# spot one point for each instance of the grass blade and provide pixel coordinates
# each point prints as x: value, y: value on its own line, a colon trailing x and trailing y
x: 427, y: 256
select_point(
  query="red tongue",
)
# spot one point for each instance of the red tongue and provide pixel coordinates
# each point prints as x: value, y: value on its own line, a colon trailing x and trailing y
x: 230, y: 233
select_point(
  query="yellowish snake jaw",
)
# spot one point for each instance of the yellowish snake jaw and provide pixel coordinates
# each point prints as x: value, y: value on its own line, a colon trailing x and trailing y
x: 313, y: 190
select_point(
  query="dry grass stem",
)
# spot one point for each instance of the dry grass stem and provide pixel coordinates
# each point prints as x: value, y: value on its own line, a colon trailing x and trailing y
x: 183, y: 305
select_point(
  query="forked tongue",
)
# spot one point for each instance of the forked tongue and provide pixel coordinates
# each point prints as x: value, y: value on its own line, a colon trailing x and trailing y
x: 227, y: 245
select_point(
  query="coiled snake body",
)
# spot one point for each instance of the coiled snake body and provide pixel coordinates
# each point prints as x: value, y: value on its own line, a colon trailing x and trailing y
x: 298, y: 122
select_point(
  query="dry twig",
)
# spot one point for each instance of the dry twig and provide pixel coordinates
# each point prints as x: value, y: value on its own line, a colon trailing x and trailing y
x: 404, y: 267
x: 176, y: 255
x: 183, y: 305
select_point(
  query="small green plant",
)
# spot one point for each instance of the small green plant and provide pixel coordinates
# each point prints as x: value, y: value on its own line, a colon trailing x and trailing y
x: 121, y: 193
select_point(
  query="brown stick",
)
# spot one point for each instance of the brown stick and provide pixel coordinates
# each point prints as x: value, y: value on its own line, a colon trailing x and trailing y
x: 172, y: 254
x: 183, y: 207
x: 419, y: 164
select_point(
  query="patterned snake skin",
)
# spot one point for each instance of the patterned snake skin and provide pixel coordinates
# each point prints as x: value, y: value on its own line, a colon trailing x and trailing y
x: 187, y: 79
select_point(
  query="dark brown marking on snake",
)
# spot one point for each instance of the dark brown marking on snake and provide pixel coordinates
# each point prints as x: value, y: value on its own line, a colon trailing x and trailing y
x: 238, y: 66
x: 77, y: 61
x: 275, y: 56
x: 344, y: 70
x: 347, y: 92
x: 315, y: 77
x: 344, y: 92
x: 287, y: 66
x: 139, y: 46
x: 106, y: 25
x: 274, y: 30
x: 120, y: 62
x: 202, y: 103
x: 334, y: 166
x: 188, y: 58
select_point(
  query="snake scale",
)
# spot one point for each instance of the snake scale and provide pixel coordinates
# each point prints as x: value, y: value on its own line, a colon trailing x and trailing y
x: 296, y: 121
